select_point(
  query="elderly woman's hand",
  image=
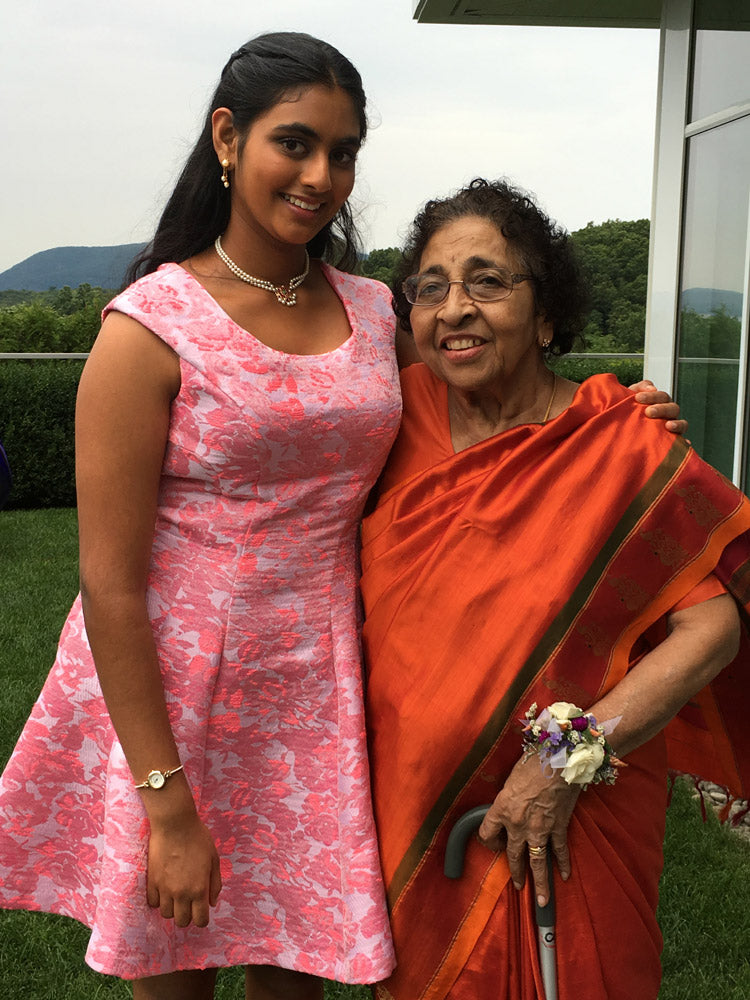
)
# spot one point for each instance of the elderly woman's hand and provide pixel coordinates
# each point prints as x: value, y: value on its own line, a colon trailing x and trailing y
x: 531, y: 809
x: 659, y: 406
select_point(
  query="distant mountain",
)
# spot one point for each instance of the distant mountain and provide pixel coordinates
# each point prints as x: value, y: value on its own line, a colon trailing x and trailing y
x: 102, y: 267
x: 707, y: 301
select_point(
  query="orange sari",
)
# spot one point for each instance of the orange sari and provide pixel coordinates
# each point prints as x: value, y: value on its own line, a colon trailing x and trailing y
x: 529, y: 568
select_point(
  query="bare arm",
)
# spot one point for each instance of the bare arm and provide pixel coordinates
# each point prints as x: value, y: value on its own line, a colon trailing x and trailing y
x: 702, y: 640
x: 533, y: 808
x: 122, y: 421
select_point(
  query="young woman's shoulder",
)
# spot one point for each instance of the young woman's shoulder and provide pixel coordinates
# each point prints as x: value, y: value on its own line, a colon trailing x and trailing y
x: 170, y: 303
x: 164, y: 283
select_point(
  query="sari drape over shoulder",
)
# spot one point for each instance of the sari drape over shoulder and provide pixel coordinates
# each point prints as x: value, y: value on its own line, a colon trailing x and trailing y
x: 529, y: 568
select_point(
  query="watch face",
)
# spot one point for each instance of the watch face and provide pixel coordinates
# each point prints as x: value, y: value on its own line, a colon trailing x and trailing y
x: 155, y: 779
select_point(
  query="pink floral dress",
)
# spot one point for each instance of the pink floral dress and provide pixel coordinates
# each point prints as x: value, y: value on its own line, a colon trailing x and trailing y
x: 253, y: 601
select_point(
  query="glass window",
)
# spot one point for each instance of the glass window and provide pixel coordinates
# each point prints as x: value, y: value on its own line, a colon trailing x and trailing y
x: 712, y: 287
x: 722, y: 56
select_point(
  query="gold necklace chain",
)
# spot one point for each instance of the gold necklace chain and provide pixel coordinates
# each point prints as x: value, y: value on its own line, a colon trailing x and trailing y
x: 549, y: 405
x: 286, y: 294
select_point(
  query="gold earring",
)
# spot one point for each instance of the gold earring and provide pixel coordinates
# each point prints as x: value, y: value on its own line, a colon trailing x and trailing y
x: 225, y: 176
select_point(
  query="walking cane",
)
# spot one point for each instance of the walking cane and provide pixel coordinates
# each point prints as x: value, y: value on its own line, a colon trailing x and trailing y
x: 545, y: 915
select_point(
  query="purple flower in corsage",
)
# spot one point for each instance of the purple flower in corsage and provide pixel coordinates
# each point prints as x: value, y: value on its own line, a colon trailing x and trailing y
x: 568, y: 740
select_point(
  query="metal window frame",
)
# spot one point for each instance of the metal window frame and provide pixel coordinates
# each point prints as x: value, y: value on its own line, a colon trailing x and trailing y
x: 742, y: 424
x: 673, y: 130
x: 665, y: 245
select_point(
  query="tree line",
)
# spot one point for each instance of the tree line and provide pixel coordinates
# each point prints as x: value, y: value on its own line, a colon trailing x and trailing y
x: 613, y: 256
x: 59, y: 320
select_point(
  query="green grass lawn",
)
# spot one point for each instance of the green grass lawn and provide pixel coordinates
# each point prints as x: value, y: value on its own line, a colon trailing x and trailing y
x: 705, y: 895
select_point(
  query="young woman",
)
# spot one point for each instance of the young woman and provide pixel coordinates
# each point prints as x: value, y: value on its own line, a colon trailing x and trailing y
x: 193, y: 782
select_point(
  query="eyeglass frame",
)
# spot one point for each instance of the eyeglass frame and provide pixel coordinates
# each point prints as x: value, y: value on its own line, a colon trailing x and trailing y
x: 516, y: 279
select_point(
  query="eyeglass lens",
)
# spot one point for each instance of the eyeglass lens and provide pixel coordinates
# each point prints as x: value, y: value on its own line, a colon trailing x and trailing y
x: 486, y: 285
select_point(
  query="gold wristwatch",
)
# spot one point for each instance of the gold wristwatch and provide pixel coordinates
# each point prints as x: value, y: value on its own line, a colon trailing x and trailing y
x: 157, y: 779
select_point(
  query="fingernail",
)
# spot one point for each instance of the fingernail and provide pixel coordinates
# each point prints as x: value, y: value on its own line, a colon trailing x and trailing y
x: 565, y: 876
x: 541, y: 900
x: 517, y: 885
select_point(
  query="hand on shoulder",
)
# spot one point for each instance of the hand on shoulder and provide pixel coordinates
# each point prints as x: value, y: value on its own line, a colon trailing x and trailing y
x: 659, y: 406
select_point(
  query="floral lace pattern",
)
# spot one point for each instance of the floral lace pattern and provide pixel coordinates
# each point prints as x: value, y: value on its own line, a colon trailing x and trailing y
x: 252, y: 597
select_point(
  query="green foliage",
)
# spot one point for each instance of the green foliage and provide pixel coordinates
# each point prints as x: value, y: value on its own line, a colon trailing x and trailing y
x: 60, y: 320
x: 714, y: 336
x: 381, y: 264
x: 703, y: 906
x: 30, y: 327
x: 37, y: 412
x: 12, y: 297
x: 626, y: 324
x: 614, y: 260
x: 39, y: 555
x: 578, y: 369
x: 64, y: 300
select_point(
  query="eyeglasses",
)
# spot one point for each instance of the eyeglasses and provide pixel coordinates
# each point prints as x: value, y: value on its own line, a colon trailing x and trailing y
x: 489, y: 284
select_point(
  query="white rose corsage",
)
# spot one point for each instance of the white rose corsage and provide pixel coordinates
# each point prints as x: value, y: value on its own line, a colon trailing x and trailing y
x: 571, y: 741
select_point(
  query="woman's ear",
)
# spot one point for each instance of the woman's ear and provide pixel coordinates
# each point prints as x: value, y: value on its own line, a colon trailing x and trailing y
x: 224, y: 135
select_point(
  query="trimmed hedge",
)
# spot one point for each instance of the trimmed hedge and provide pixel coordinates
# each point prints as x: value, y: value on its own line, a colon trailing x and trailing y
x: 37, y: 411
x: 628, y: 371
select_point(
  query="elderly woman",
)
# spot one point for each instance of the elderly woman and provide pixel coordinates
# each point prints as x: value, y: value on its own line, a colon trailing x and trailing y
x: 536, y: 543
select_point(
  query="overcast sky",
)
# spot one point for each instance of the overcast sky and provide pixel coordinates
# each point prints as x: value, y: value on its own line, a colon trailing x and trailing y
x: 101, y: 102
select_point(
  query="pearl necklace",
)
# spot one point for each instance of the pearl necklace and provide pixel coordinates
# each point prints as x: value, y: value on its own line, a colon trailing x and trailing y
x: 286, y: 294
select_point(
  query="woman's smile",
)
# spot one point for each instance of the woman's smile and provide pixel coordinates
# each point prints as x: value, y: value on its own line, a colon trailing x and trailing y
x: 463, y: 343
x: 308, y: 206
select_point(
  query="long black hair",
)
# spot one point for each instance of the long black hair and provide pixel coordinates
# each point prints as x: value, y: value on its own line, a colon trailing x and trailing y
x: 543, y: 249
x: 254, y: 79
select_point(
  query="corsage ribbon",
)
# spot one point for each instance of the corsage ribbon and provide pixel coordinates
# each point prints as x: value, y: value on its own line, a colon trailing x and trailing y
x: 571, y: 741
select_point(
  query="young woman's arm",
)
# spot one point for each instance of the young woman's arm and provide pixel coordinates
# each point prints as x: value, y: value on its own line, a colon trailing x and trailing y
x: 122, y: 421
